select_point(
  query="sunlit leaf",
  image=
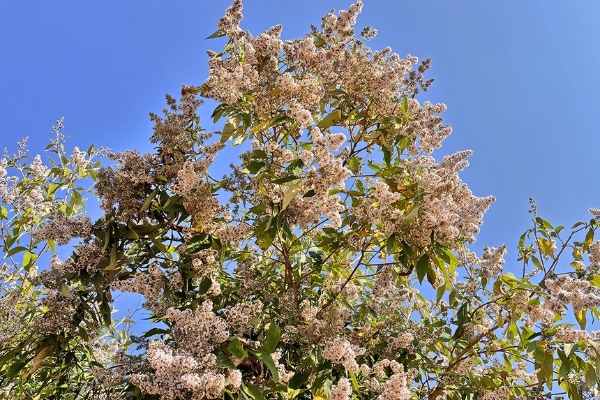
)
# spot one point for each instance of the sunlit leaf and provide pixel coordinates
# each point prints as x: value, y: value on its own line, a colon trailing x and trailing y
x: 332, y: 118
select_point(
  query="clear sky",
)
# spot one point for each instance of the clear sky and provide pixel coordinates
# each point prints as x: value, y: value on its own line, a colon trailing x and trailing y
x: 520, y: 79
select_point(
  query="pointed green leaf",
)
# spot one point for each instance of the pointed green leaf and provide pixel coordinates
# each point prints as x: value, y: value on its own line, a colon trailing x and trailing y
x: 272, y: 339
x: 252, y: 392
x: 64, y: 289
x: 354, y: 164
x: 218, y: 33
x: 422, y: 267
x: 331, y: 119
x: 268, y: 361
x: 290, y: 195
x: 236, y: 348
x: 265, y: 233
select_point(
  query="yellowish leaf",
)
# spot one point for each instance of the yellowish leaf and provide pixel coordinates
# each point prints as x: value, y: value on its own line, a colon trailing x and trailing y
x: 290, y: 195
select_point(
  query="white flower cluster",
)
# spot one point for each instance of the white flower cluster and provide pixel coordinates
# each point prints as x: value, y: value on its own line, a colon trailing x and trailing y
x: 329, y: 174
x: 320, y: 328
x: 189, y: 368
x: 492, y: 260
x: 231, y: 20
x: 284, y: 374
x: 378, y: 208
x: 577, y: 292
x: 390, y: 386
x: 27, y: 195
x: 502, y: 393
x: 198, y: 331
x: 61, y: 229
x: 37, y: 168
x: 7, y: 189
x: 426, y: 124
x: 122, y: 187
x: 78, y: 158
x: 343, y: 63
x: 193, y: 186
x: 238, y: 316
x: 464, y: 367
x: 205, y: 262
x: 449, y: 208
x: 403, y: 341
x: 520, y: 373
x: 233, y: 233
x: 59, y: 314
x: 567, y: 334
x: 341, y: 351
x: 342, y: 390
x: 178, y: 374
x: 595, y: 256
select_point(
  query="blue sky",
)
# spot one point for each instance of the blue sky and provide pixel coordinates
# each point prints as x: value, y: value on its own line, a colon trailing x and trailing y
x: 520, y: 80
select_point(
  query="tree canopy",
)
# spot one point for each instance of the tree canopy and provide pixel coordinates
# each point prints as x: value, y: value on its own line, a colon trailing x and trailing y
x: 329, y: 261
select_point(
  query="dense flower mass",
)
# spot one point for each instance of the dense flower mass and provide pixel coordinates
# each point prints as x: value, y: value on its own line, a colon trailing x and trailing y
x: 330, y: 262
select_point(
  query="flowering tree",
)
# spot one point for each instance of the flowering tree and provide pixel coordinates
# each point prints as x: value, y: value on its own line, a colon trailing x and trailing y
x: 329, y: 262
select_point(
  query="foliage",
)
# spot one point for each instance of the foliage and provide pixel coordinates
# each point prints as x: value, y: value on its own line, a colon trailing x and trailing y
x: 330, y: 262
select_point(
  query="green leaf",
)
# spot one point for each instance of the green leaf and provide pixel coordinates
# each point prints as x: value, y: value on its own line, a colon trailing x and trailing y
x: 581, y: 318
x: 566, y: 365
x: 76, y: 201
x: 404, y: 107
x: 29, y: 259
x: 543, y: 223
x: 387, y: 155
x: 590, y: 376
x: 573, y: 391
x: 268, y: 361
x: 218, y: 33
x: 272, y: 339
x: 230, y: 127
x: 254, y: 166
x: 331, y: 119
x: 258, y: 155
x: 52, y: 246
x: 422, y: 267
x: 225, y: 362
x: 157, y: 242
x: 390, y: 244
x: 252, y: 392
x: 204, y: 286
x: 589, y: 238
x: 64, y: 289
x: 39, y: 358
x: 148, y: 201
x: 155, y: 331
x: 354, y: 164
x: 262, y: 126
x: 537, y: 263
x: 289, y: 178
x: 412, y: 216
x: 570, y: 348
x: 323, y: 375
x: 105, y: 311
x: 265, y: 233
x: 354, y: 382
x: 290, y: 195
x: 236, y: 348
x: 319, y: 41
x: 16, y: 250
x: 299, y: 379
x: 440, y: 293
x: 546, y: 373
